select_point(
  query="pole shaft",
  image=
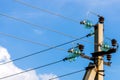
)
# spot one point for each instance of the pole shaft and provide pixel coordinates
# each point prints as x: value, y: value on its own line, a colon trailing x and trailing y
x: 99, y: 40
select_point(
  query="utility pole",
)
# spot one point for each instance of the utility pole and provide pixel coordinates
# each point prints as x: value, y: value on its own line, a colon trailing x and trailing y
x: 98, y: 39
x: 95, y: 69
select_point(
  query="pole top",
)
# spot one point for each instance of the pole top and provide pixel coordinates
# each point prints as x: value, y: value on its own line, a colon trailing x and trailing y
x: 101, y: 19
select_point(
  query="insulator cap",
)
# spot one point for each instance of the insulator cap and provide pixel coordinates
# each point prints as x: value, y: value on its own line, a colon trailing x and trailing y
x: 108, y: 57
x: 71, y: 50
x: 114, y: 42
x: 81, y: 47
x: 83, y: 22
x: 101, y: 19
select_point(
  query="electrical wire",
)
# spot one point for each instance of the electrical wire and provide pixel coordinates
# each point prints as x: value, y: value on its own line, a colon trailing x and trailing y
x: 35, y: 25
x: 20, y: 58
x: 38, y: 26
x: 31, y: 69
x: 67, y: 74
x: 33, y: 42
x: 47, y: 11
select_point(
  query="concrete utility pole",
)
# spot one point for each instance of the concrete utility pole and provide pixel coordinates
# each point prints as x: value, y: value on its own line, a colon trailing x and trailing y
x: 98, y: 39
x: 95, y: 70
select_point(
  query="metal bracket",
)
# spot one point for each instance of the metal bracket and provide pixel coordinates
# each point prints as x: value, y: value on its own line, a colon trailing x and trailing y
x: 102, y: 53
x: 100, y: 73
x: 101, y: 70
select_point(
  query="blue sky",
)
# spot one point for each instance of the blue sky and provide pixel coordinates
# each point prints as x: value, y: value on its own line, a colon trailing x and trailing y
x: 75, y: 9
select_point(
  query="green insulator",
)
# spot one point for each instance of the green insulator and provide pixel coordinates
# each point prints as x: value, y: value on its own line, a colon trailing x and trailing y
x: 72, y: 56
x: 105, y: 47
x: 72, y: 59
x: 88, y: 24
x: 76, y: 52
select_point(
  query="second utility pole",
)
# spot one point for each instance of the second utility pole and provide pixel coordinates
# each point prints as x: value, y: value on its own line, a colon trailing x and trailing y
x: 98, y: 40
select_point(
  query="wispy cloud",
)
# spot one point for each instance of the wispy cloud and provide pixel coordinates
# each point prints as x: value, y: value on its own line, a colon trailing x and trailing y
x: 39, y: 32
x: 47, y: 76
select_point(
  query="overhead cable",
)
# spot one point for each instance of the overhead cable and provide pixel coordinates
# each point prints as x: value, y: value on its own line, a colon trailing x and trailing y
x: 67, y: 74
x: 30, y: 69
x: 26, y: 56
x: 37, y: 26
x: 30, y: 41
x: 47, y: 11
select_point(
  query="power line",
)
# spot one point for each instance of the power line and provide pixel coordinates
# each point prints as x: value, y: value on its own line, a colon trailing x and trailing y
x: 47, y: 11
x: 38, y: 26
x: 35, y: 25
x: 31, y: 69
x: 44, y: 50
x: 67, y: 74
x: 33, y: 42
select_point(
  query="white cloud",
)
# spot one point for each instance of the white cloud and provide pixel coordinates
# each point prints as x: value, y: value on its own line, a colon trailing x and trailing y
x: 4, y: 56
x: 10, y: 68
x: 47, y: 76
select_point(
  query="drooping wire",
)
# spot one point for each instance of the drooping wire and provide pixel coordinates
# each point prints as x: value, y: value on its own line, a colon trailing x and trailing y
x: 47, y: 11
x: 44, y: 50
x: 94, y: 13
x: 30, y: 69
x: 67, y: 74
x: 108, y: 38
x: 33, y: 42
x: 38, y: 26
